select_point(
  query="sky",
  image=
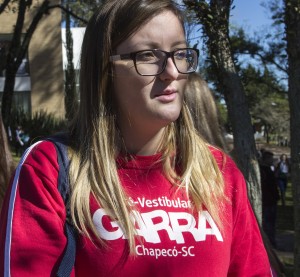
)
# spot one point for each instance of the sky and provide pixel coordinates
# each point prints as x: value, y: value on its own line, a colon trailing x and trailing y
x: 251, y: 15
x: 248, y: 14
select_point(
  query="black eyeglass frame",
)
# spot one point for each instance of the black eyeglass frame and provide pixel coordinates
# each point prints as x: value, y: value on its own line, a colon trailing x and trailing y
x: 132, y: 56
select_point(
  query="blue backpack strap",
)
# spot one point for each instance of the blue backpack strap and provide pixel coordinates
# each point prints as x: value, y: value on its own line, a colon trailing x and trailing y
x: 68, y: 259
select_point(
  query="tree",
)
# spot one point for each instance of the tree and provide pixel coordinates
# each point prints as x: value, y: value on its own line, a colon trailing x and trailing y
x: 17, y: 51
x: 292, y: 25
x: 83, y: 9
x: 268, y: 49
x: 267, y: 100
x: 6, y: 162
x: 3, y: 5
x: 70, y: 84
x: 214, y: 17
x: 19, y: 47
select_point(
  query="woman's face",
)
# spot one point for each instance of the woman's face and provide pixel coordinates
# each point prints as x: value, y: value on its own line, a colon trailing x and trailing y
x: 149, y: 103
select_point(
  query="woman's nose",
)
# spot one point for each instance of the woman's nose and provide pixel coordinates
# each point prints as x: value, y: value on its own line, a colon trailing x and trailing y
x: 170, y: 72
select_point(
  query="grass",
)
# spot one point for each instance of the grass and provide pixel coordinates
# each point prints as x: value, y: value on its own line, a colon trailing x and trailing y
x: 16, y: 158
x: 285, y: 232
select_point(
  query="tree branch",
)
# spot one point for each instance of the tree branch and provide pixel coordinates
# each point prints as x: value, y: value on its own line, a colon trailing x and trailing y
x: 265, y: 60
x: 43, y: 9
x: 69, y: 12
x: 3, y: 5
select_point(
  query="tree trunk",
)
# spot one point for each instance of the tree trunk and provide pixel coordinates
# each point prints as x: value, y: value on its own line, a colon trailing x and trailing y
x: 11, y: 65
x: 16, y: 54
x: 19, y: 49
x: 267, y: 133
x: 70, y: 84
x: 292, y: 22
x: 215, y: 20
x: 6, y: 162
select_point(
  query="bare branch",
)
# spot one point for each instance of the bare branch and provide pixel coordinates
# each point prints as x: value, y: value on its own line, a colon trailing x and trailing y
x: 69, y: 12
x: 43, y: 9
x: 4, y: 5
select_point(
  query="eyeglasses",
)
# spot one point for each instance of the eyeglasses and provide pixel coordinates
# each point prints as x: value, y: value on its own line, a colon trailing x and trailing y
x: 153, y: 62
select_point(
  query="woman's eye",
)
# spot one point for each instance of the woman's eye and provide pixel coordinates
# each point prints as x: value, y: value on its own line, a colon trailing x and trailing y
x: 180, y: 55
x: 146, y: 56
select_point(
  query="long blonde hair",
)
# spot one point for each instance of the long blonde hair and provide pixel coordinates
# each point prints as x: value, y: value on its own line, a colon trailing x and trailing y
x: 204, y: 111
x: 94, y: 143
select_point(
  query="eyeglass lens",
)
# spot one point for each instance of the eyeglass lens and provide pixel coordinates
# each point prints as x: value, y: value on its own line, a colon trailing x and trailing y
x: 152, y: 62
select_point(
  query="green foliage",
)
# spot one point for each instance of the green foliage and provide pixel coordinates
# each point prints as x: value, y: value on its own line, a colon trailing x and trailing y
x: 82, y: 8
x: 277, y: 11
x: 260, y: 60
x: 39, y: 125
x: 242, y: 44
x: 223, y: 115
x: 267, y: 48
x: 267, y: 100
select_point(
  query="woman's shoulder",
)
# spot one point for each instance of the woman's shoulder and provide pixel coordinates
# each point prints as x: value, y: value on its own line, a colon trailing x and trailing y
x: 41, y: 157
x: 223, y: 159
x: 233, y: 178
x: 39, y: 153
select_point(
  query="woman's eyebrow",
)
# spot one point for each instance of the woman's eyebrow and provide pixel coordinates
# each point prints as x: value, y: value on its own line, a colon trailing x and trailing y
x: 181, y: 42
x: 155, y: 45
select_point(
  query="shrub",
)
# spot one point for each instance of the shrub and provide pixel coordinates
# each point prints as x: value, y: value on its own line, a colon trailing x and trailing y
x: 37, y: 126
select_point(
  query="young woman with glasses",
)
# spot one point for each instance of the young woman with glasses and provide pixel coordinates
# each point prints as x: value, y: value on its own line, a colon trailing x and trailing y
x: 149, y: 197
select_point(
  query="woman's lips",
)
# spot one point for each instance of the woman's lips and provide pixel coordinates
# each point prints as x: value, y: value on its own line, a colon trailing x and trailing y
x: 167, y: 96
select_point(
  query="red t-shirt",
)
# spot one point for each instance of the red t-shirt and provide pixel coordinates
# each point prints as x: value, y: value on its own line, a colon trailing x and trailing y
x: 172, y: 239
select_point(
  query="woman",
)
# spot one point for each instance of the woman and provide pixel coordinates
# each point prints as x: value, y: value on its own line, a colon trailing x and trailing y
x: 282, y: 172
x: 204, y: 111
x: 149, y: 196
x: 270, y: 195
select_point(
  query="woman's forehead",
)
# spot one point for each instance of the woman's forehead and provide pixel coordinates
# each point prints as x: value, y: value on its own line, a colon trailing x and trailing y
x: 163, y: 30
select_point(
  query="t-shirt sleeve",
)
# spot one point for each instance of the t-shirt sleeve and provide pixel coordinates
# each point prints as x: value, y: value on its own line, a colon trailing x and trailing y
x: 32, y: 238
x: 248, y: 254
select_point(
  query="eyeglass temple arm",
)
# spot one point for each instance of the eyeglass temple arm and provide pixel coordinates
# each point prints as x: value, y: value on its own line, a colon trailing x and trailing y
x: 120, y: 57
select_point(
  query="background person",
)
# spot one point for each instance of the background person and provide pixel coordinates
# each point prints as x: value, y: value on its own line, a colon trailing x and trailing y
x: 282, y: 172
x: 19, y: 146
x: 203, y: 108
x: 22, y: 140
x: 270, y: 196
x: 149, y: 196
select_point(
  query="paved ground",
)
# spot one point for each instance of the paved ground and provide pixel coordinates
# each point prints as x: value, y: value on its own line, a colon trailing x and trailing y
x: 285, y: 244
x: 277, y: 150
x: 285, y: 233
x: 284, y: 251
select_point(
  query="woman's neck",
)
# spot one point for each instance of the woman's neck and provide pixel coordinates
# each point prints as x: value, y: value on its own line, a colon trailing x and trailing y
x: 144, y: 142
